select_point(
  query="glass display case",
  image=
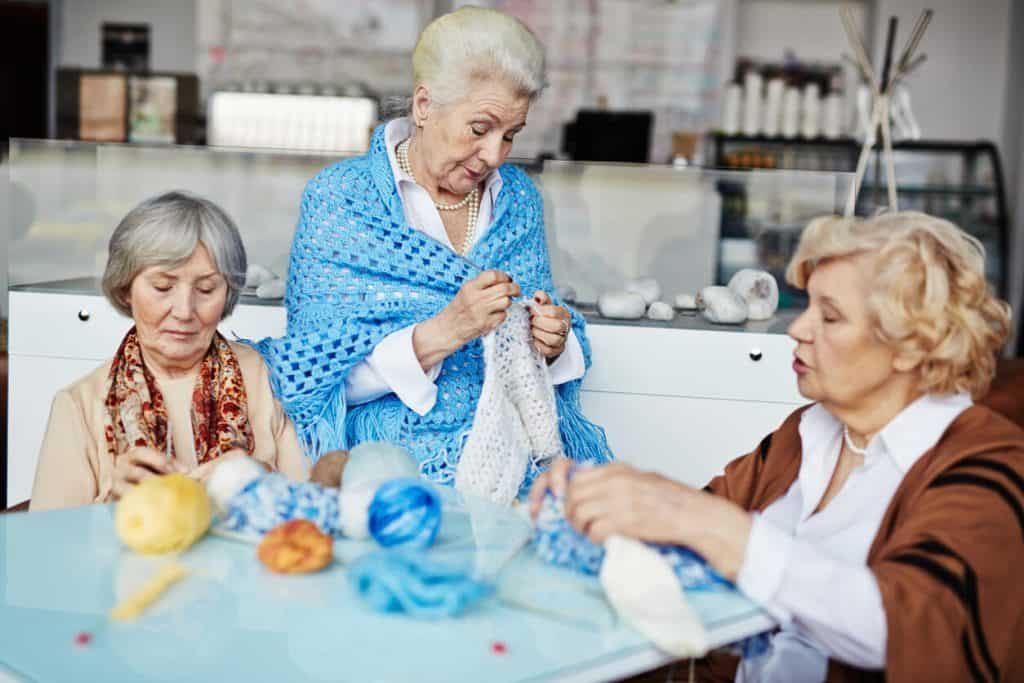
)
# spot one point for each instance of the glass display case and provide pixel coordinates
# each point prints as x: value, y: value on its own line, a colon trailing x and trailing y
x: 961, y: 181
x: 607, y: 223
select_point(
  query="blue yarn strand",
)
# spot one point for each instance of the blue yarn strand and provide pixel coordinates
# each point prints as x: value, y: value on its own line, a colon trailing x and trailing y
x: 414, y: 584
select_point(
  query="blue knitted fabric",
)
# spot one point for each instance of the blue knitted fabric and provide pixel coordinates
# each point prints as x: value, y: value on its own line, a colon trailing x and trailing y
x: 359, y: 272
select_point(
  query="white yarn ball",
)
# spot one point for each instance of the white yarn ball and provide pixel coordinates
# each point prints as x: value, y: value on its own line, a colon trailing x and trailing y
x: 354, y: 509
x: 229, y: 477
x: 377, y: 461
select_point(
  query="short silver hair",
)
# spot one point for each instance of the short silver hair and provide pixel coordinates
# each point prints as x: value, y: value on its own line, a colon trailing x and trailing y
x: 165, y: 231
x: 461, y: 49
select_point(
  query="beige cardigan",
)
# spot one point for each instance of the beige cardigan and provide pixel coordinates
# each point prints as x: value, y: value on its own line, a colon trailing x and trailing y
x: 74, y: 465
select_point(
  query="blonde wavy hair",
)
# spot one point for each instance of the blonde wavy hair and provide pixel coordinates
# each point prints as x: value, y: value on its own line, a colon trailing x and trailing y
x: 929, y: 299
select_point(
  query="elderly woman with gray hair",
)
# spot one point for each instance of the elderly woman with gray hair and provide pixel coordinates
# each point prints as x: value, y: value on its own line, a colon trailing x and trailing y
x: 404, y: 258
x: 176, y: 396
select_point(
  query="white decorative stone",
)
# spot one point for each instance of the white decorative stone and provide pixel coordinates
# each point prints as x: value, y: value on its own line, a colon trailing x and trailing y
x: 646, y: 287
x: 659, y: 310
x: 686, y: 302
x: 272, y: 289
x: 256, y: 275
x: 759, y: 289
x: 622, y: 305
x: 722, y: 305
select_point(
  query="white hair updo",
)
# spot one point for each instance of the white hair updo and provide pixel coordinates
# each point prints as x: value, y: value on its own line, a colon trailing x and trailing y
x: 462, y: 49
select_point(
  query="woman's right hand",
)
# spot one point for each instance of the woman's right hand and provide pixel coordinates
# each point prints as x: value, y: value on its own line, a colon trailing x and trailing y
x: 480, y: 306
x: 137, y: 465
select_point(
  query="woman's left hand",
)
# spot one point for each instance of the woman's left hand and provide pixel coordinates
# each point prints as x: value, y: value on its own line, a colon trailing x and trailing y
x: 619, y: 499
x: 550, y: 325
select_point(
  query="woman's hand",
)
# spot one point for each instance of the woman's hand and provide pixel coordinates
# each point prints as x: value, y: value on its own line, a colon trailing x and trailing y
x: 137, y: 465
x: 479, y: 306
x: 619, y: 499
x: 550, y: 325
x: 555, y: 477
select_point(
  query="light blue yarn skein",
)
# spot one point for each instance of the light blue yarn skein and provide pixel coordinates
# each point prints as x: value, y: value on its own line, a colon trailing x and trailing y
x: 411, y: 582
x: 404, y: 512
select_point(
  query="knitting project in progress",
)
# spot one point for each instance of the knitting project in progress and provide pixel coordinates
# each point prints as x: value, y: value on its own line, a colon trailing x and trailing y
x: 359, y: 272
x: 516, y: 422
x: 559, y: 544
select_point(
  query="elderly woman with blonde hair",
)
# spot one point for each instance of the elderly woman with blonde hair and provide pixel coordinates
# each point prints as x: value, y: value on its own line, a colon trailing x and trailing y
x: 406, y: 257
x: 882, y: 524
x: 177, y: 396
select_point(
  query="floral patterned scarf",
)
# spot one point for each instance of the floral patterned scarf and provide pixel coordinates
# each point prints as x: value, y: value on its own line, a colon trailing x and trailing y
x: 136, y: 415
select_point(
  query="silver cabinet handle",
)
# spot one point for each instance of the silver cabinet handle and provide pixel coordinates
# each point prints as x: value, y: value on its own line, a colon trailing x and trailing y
x: 755, y: 355
x: 83, y: 314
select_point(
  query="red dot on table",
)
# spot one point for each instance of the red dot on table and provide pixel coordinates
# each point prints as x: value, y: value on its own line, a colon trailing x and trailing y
x: 499, y: 648
x: 83, y: 638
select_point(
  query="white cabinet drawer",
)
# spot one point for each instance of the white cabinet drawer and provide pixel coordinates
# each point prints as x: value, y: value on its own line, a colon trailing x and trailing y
x: 744, y: 366
x: 88, y: 327
x: 64, y: 326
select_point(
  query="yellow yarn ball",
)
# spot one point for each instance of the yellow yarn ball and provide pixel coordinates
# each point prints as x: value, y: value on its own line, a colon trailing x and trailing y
x: 163, y: 514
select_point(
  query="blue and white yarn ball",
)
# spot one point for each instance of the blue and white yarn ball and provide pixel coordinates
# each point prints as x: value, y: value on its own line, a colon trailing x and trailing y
x: 273, y: 499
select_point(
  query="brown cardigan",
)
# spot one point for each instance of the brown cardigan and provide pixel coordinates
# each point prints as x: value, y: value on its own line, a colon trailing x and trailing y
x: 948, y: 555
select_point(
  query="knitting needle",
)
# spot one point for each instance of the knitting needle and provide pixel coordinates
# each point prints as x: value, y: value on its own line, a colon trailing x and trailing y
x: 887, y: 64
x: 853, y: 36
x: 915, y: 37
x: 906, y: 70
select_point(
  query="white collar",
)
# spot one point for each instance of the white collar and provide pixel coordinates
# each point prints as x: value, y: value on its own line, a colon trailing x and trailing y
x: 399, y: 129
x: 920, y: 425
x: 906, y: 437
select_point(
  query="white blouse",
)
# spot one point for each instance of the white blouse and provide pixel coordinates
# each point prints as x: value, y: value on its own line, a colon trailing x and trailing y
x: 809, y: 570
x: 392, y: 367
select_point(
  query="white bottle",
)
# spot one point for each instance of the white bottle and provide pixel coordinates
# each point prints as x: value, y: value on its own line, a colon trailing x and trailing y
x: 773, y: 107
x: 731, y: 109
x: 811, y: 112
x: 752, y: 86
x: 865, y: 106
x: 832, y: 126
x: 791, y: 113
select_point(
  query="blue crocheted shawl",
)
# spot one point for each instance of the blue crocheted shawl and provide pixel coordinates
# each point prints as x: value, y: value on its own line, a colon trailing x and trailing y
x: 359, y: 272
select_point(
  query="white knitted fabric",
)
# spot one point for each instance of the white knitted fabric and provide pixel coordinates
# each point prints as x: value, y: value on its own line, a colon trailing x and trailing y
x: 516, y: 417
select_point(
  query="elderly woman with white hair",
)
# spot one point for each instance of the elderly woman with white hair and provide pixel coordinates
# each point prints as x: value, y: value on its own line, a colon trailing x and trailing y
x: 176, y: 396
x: 403, y: 259
x: 881, y: 525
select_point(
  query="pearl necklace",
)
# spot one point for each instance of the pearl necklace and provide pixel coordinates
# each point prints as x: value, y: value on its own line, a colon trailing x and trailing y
x: 852, y: 446
x: 472, y: 199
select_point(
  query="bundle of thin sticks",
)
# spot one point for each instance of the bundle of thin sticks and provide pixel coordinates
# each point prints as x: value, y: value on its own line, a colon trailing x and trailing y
x: 881, y: 89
